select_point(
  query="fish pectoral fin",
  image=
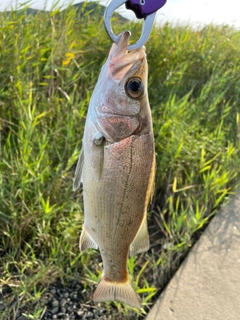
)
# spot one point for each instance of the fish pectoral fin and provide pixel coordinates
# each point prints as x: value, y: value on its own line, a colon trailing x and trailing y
x: 86, y: 241
x: 78, y: 172
x: 117, y: 291
x: 141, y: 241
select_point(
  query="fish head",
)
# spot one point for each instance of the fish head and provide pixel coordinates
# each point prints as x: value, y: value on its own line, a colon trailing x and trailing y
x: 121, y: 94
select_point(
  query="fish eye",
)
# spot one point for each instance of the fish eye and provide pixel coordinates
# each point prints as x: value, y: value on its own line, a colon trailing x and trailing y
x: 134, y: 88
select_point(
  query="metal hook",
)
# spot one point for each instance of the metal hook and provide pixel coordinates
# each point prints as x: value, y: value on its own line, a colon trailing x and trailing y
x: 146, y: 30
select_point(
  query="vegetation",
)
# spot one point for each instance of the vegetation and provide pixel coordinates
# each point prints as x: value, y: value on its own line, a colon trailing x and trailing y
x: 49, y: 66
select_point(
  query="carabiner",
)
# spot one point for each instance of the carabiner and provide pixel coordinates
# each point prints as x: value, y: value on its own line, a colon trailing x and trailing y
x: 146, y: 9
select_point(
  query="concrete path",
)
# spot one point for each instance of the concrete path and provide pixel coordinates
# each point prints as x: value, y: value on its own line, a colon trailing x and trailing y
x: 207, y: 285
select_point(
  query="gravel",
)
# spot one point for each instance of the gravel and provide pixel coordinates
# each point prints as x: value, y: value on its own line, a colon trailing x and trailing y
x: 66, y: 302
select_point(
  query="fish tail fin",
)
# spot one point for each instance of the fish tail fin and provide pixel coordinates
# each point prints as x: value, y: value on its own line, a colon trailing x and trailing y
x: 119, y: 291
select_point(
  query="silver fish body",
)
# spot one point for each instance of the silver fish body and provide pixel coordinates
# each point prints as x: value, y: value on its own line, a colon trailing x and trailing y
x: 117, y: 168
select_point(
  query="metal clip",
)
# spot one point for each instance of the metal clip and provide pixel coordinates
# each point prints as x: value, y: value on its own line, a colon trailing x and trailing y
x: 146, y: 9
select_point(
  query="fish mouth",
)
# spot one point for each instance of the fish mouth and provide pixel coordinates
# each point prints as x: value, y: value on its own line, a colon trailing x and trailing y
x: 120, y: 59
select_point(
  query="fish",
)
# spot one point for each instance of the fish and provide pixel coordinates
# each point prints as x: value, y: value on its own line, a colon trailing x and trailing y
x: 116, y: 169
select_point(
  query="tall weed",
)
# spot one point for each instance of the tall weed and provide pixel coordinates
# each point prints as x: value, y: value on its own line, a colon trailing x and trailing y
x: 49, y: 65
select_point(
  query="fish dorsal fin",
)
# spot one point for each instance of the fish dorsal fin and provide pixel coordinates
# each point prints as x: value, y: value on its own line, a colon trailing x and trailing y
x: 86, y: 241
x: 78, y: 172
x: 151, y: 185
x: 141, y: 241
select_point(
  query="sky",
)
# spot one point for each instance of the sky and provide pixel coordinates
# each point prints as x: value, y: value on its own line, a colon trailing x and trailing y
x: 191, y: 12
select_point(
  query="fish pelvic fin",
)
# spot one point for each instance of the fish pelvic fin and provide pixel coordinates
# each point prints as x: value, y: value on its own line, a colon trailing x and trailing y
x: 117, y: 291
x: 86, y: 241
x: 141, y: 241
x: 77, y: 182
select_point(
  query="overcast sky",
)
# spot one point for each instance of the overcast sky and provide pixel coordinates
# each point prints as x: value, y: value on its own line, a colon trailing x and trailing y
x: 186, y: 11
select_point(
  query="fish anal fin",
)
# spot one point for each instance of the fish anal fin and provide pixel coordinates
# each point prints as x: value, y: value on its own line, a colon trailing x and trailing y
x: 86, y: 241
x: 141, y: 241
x: 77, y: 182
x: 117, y: 291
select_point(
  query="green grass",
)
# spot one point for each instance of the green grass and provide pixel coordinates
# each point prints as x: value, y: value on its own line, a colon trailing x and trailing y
x: 49, y: 66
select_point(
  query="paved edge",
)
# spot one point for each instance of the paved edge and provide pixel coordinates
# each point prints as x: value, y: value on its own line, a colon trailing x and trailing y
x: 207, y: 284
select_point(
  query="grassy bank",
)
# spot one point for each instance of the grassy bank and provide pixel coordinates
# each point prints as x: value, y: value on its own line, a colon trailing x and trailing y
x: 49, y: 66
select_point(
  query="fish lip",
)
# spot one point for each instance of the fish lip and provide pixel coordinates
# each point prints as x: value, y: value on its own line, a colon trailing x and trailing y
x: 119, y: 49
x: 120, y: 59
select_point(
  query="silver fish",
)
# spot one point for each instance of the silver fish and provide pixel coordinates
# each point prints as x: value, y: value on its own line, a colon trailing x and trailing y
x: 116, y: 167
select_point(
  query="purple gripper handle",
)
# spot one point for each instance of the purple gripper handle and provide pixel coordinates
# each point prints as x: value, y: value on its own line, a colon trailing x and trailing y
x: 143, y: 8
